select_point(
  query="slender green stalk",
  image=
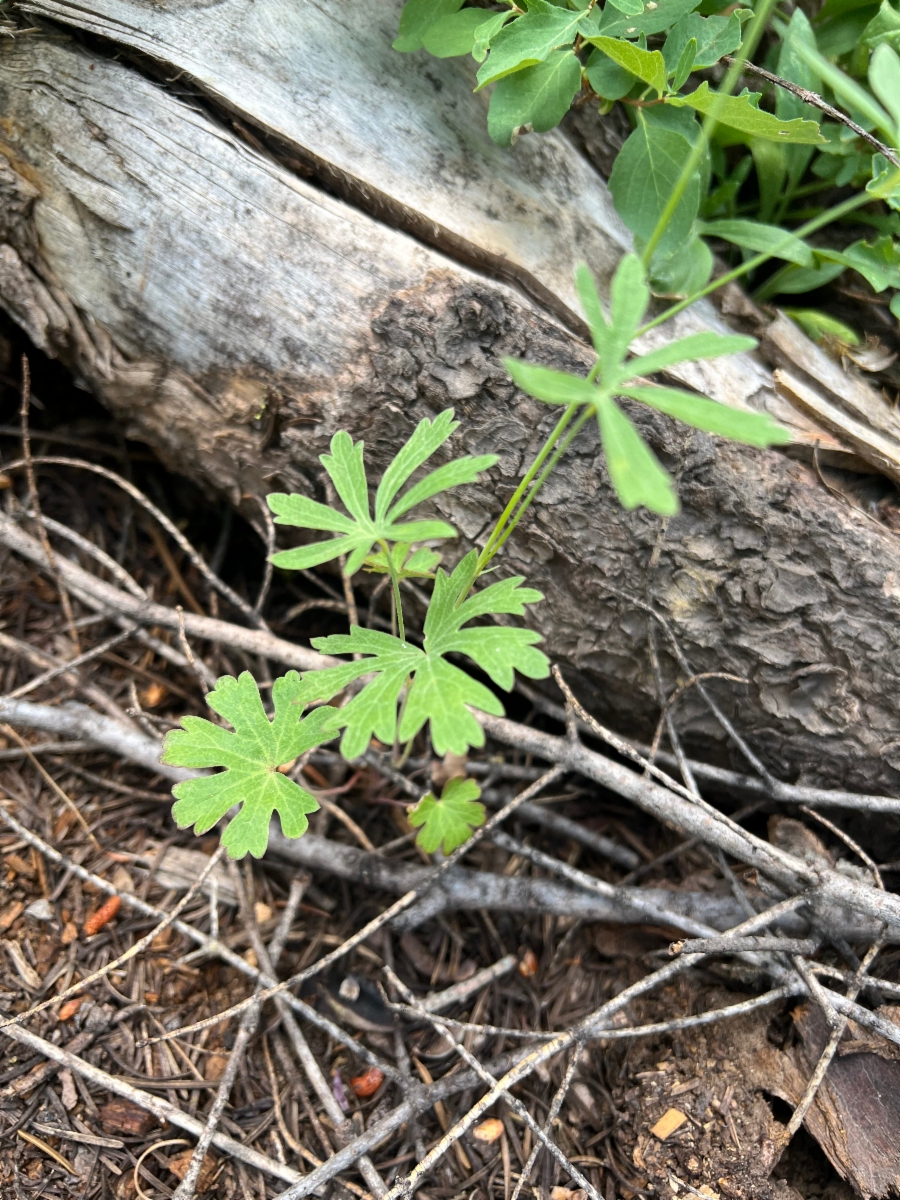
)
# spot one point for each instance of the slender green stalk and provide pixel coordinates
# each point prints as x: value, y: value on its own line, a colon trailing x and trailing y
x: 754, y: 33
x: 486, y: 554
x: 825, y: 218
x: 395, y: 585
x: 542, y: 478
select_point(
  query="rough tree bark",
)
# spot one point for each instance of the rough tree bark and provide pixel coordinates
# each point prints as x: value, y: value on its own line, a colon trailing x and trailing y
x: 353, y: 253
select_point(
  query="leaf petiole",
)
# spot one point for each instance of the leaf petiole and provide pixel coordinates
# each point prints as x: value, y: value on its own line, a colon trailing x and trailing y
x: 395, y: 589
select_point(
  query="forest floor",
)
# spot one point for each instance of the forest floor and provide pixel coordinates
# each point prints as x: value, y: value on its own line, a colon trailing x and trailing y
x: 692, y: 1111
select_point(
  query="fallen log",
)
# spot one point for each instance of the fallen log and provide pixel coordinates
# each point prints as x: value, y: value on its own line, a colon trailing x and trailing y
x: 235, y: 295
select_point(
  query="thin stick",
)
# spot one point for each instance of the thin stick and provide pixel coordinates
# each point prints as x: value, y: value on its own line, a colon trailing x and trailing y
x: 34, y: 498
x: 66, y: 799
x: 442, y: 1027
x: 816, y: 101
x: 69, y: 665
x: 555, y: 1106
x: 847, y: 840
x: 733, y: 945
x: 171, y: 529
x: 161, y: 1109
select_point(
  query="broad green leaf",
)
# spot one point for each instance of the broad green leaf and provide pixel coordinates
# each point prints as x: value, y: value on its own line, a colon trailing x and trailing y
x: 440, y: 693
x: 631, y: 8
x: 647, y: 65
x: 820, y: 326
x: 878, y: 262
x: 417, y: 18
x: 553, y: 387
x: 607, y: 78
x: 684, y: 271
x: 652, y: 20
x: 884, y: 79
x: 689, y: 349
x: 884, y: 27
x: 741, y: 113
x: 714, y: 36
x: 485, y: 32
x: 593, y: 309
x: 359, y: 531
x: 529, y: 40
x: 643, y: 177
x: 851, y: 94
x: 763, y: 239
x: 633, y: 467
x: 538, y: 97
x: 251, y: 756
x: 789, y: 107
x: 453, y: 34
x: 448, y: 822
x: 756, y: 429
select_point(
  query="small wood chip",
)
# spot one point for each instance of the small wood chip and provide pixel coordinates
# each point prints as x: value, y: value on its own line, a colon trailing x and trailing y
x: 9, y: 913
x: 121, y: 1116
x: 70, y: 1008
x: 178, y: 1164
x: 488, y: 1131
x: 102, y: 916
x: 24, y: 969
x: 671, y: 1120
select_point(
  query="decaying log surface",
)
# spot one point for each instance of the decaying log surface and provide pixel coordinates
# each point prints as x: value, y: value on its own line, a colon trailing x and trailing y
x: 236, y: 315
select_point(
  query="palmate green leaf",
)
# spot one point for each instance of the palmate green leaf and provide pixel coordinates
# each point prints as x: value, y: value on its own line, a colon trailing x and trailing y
x: 360, y: 530
x: 754, y: 429
x: 448, y: 822
x: 440, y: 693
x: 417, y: 18
x: 741, y: 113
x: 538, y: 97
x: 530, y: 39
x: 647, y: 65
x: 754, y: 235
x: 250, y: 756
x: 634, y: 471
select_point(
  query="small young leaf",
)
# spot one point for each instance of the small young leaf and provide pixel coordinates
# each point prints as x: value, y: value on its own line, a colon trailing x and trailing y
x: 538, y: 97
x: 440, y: 693
x: 417, y: 18
x: 754, y: 235
x: 885, y: 181
x: 530, y: 39
x: 453, y: 34
x: 633, y: 468
x: 756, y: 429
x: 741, y: 113
x: 448, y: 822
x: 647, y: 65
x: 486, y: 31
x: 821, y: 326
x: 360, y: 531
x: 643, y: 177
x: 250, y: 756
x: 684, y: 65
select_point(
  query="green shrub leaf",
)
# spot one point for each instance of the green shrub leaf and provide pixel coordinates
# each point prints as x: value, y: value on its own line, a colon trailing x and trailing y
x: 453, y: 34
x: 440, y: 693
x: 538, y: 97
x: 530, y: 39
x: 360, y: 530
x: 714, y: 36
x: 250, y: 756
x: 417, y: 18
x: 643, y: 177
x: 648, y: 65
x: 741, y: 113
x: 614, y: 23
x: 448, y: 822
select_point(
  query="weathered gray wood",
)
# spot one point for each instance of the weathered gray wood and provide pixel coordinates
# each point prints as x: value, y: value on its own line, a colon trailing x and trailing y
x: 405, y: 138
x: 237, y: 316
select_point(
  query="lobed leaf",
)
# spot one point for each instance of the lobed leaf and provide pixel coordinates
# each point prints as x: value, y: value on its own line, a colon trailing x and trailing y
x: 647, y: 65
x: 251, y: 756
x: 755, y: 429
x: 633, y: 467
x: 450, y: 821
x: 530, y: 39
x: 537, y: 97
x: 741, y: 113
